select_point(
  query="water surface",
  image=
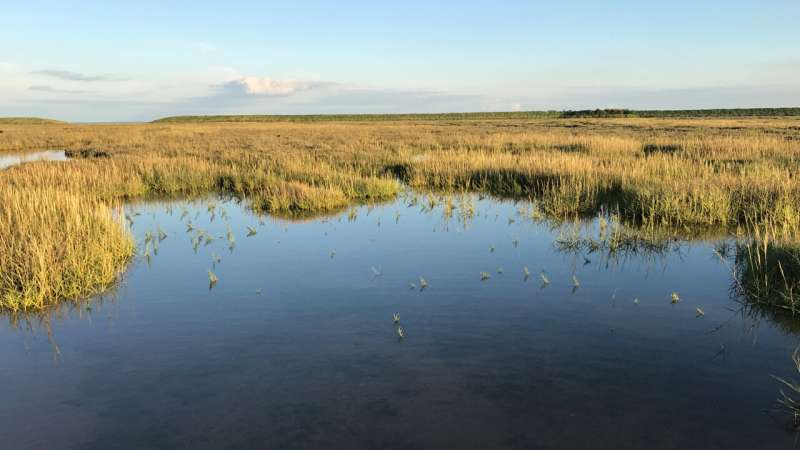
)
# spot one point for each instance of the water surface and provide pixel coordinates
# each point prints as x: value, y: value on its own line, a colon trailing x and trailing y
x: 12, y: 159
x: 295, y: 347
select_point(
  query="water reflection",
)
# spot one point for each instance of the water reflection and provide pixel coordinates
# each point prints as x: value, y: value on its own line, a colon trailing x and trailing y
x: 298, y: 343
x: 768, y: 274
x: 12, y: 159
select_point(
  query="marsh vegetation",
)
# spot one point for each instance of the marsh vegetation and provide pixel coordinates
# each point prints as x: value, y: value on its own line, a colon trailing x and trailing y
x: 730, y: 174
x: 606, y: 192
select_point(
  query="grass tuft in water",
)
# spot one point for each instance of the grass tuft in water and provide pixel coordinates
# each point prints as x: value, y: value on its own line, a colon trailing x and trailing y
x: 57, y: 246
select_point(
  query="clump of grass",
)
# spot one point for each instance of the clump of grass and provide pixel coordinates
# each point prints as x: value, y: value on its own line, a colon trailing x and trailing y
x: 212, y: 279
x: 767, y: 269
x: 295, y: 197
x: 57, y: 246
x: 423, y: 283
x: 651, y: 148
x: 545, y: 280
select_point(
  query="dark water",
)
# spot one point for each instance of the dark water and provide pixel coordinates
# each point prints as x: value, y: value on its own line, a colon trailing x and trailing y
x: 295, y: 347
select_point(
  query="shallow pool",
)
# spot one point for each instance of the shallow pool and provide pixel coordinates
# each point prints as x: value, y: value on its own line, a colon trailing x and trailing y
x: 295, y: 347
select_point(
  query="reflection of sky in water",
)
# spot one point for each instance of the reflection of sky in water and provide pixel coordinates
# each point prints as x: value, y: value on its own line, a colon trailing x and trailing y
x: 314, y: 360
x: 12, y: 159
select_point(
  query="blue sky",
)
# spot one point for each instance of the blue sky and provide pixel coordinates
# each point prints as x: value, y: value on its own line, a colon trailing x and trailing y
x: 109, y: 61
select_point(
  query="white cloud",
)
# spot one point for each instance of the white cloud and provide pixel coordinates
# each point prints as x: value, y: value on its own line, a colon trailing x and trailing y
x: 75, y: 76
x: 267, y: 86
x: 225, y: 90
x: 48, y: 88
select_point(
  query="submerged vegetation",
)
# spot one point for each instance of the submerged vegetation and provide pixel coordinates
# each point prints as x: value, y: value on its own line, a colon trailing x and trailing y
x: 690, y: 175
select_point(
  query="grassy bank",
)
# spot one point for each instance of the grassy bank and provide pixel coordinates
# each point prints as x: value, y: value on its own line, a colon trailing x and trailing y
x: 27, y: 121
x: 57, y: 246
x: 684, y: 173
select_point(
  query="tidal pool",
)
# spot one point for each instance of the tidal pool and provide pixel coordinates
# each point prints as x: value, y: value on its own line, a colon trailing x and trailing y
x: 295, y: 347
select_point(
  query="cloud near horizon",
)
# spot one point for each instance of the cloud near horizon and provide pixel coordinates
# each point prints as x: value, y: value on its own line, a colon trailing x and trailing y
x: 253, y: 86
x: 224, y: 90
x: 67, y: 75
x: 268, y: 86
x: 48, y: 88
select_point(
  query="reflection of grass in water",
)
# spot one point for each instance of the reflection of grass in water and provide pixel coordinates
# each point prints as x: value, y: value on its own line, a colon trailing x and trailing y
x: 37, y: 320
x: 764, y: 261
x: 766, y: 268
x: 615, y: 238
x: 769, y: 273
x: 788, y: 399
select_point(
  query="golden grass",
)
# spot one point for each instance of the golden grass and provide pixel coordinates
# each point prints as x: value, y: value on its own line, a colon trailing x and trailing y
x: 57, y: 246
x: 685, y: 173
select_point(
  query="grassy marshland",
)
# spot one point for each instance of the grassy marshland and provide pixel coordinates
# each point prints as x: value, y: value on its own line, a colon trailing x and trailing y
x: 686, y: 174
x: 57, y: 245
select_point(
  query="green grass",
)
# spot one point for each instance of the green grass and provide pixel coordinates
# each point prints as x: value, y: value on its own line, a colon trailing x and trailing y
x: 27, y: 121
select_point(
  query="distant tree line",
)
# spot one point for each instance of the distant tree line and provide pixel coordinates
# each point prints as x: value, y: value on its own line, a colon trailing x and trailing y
x: 735, y: 112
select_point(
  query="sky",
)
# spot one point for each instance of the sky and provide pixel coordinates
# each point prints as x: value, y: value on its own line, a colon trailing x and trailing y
x: 104, y: 61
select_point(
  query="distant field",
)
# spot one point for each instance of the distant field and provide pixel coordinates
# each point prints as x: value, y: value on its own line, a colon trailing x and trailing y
x: 519, y: 115
x: 597, y: 113
x: 26, y: 120
x: 361, y: 117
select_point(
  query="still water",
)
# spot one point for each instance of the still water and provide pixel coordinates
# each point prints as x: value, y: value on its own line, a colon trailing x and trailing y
x: 12, y: 159
x: 295, y: 345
